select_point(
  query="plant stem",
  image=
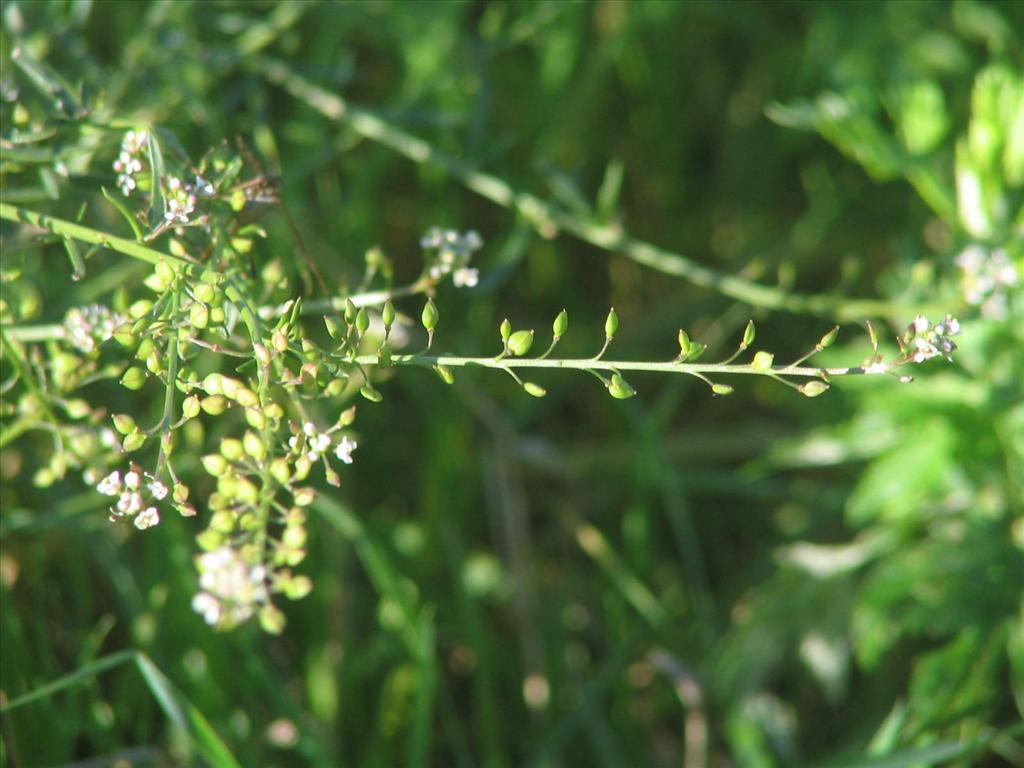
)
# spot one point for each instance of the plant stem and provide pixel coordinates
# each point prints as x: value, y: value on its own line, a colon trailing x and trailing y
x: 547, y: 218
x: 590, y: 364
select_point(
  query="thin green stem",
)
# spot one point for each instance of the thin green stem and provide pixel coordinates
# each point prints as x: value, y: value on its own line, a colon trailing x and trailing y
x: 548, y: 218
x: 590, y: 364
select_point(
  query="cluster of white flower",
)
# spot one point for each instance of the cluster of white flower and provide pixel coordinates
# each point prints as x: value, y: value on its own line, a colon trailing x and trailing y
x: 129, y: 161
x: 130, y: 501
x: 86, y: 327
x: 315, y: 444
x: 451, y: 252
x: 923, y: 341
x: 180, y: 199
x: 231, y: 588
x: 985, y: 279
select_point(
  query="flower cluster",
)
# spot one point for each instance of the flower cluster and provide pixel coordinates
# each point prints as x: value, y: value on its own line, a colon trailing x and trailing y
x: 231, y: 588
x: 449, y: 252
x: 985, y: 279
x: 181, y: 201
x: 923, y: 341
x: 130, y: 499
x: 86, y: 327
x: 129, y: 161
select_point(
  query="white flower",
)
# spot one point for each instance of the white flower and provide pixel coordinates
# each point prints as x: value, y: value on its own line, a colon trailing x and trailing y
x: 110, y: 485
x: 132, y: 480
x: 147, y: 519
x: 344, y: 450
x: 207, y: 605
x: 925, y: 350
x: 129, y: 503
x: 879, y: 366
x: 230, y: 587
x: 158, y: 489
x: 921, y: 324
x: 466, y: 277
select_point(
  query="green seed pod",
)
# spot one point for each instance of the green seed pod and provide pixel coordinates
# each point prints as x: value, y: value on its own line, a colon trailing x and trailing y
x: 350, y: 311
x: 205, y: 293
x: 190, y: 407
x: 371, y: 394
x: 210, y: 540
x: 302, y: 467
x: 77, y: 409
x: 430, y: 315
x: 748, y: 334
x: 213, y: 384
x: 253, y: 445
x: 165, y: 273
x: 611, y: 324
x: 519, y: 343
x: 561, y: 324
x: 214, y: 405
x: 230, y: 387
x: 140, y: 309
x: 813, y: 388
x: 445, y: 373
x: 298, y: 587
x: 222, y: 521
x: 829, y: 338
x: 303, y: 497
x: 255, y: 418
x: 125, y: 337
x: 362, y: 320
x: 271, y: 620
x: 763, y: 361
x: 247, y: 398
x: 272, y: 411
x: 696, y: 350
x: 262, y: 354
x: 280, y: 470
x: 334, y: 329
x: 721, y: 389
x: 124, y: 423
x: 133, y: 441
x: 231, y: 448
x: 215, y: 464
x: 279, y: 341
x: 505, y: 329
x: 217, y: 316
x: 620, y: 388
x: 534, y: 390
x: 134, y: 378
x: 180, y: 493
x: 145, y: 349
x: 387, y: 314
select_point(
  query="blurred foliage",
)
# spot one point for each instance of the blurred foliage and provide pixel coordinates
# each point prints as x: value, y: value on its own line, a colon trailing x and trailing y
x: 760, y: 580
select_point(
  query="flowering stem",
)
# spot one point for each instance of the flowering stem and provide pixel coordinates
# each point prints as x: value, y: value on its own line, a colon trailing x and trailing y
x: 591, y: 364
x: 548, y: 218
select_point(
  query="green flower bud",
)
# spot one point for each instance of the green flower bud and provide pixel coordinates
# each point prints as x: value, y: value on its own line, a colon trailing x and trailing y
x: 334, y: 329
x: 362, y: 320
x: 505, y: 329
x: 696, y: 350
x: 685, y: 345
x: 347, y: 417
x: 180, y: 493
x: 519, y: 343
x: 620, y: 388
x: 215, y: 405
x: 298, y: 587
x: 561, y: 324
x: 303, y: 497
x: 611, y: 324
x: 124, y: 423
x: 534, y: 389
x: 721, y: 389
x: 209, y: 540
x: 133, y: 441
x: 222, y: 521
x: 445, y: 373
x: 812, y: 388
x: 302, y: 467
x: 271, y: 620
x: 334, y: 387
x: 387, y: 314
x: 763, y: 361
x: 199, y: 316
x: 280, y: 341
x: 748, y: 334
x: 350, y: 311
x: 294, y: 537
x: 134, y: 378
x: 77, y: 409
x: 430, y: 315
x: 262, y: 354
x: 829, y: 338
x: 273, y: 411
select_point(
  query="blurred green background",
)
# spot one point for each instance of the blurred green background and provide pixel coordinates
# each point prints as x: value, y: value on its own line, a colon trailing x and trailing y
x: 675, y: 579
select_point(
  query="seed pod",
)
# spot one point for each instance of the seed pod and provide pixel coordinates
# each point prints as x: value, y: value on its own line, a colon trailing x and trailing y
x: 611, y: 324
x: 561, y: 324
x: 134, y: 378
x: 620, y: 388
x: 430, y: 315
x: 721, y: 389
x: 813, y: 388
x: 763, y: 361
x: 828, y: 339
x: 534, y: 389
x: 519, y: 343
x: 445, y: 373
x: 387, y: 314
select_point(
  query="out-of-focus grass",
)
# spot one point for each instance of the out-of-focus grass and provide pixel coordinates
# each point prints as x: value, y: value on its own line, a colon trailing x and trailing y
x: 837, y: 577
